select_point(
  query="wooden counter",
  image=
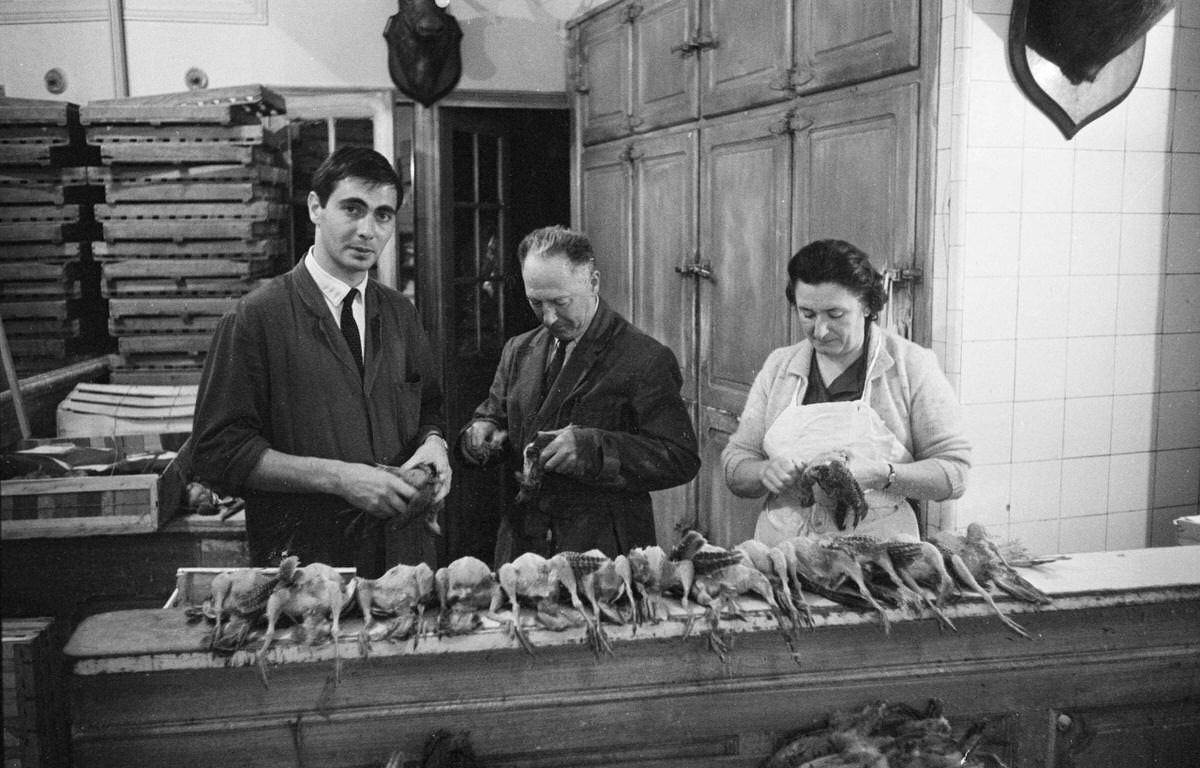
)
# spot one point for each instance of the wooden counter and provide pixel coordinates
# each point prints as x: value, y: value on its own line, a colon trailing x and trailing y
x: 1111, y: 678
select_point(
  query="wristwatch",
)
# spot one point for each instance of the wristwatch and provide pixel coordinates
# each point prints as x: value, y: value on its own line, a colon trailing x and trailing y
x: 891, y: 477
x: 440, y: 439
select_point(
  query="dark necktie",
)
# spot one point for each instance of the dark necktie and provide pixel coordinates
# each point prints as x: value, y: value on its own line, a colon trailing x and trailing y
x: 556, y: 364
x: 350, y: 329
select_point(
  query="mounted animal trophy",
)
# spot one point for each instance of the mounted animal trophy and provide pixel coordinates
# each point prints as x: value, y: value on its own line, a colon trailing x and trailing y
x: 1077, y: 59
x: 423, y: 49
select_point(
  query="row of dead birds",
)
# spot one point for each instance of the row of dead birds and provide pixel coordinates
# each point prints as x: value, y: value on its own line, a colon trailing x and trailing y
x: 571, y: 589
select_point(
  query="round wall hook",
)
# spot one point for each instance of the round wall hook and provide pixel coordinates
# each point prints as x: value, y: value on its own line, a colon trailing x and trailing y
x: 56, y: 80
x: 196, y: 79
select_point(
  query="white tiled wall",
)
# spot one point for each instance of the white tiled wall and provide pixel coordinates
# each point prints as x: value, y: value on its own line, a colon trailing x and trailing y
x: 1066, y: 292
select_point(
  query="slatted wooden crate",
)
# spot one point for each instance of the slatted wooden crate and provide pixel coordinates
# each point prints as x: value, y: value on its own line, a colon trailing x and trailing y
x: 47, y: 186
x: 29, y: 252
x: 36, y: 727
x: 173, y: 314
x: 182, y: 229
x: 173, y: 287
x: 79, y: 506
x: 138, y: 175
x: 246, y: 104
x: 186, y: 269
x: 38, y: 310
x: 40, y: 280
x: 249, y: 250
x: 183, y: 371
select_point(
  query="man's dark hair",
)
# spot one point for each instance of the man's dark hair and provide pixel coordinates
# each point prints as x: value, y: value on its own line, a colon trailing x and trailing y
x: 839, y: 262
x: 557, y: 239
x: 353, y: 162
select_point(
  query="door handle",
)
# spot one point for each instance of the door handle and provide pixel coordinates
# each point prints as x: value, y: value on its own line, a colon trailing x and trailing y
x: 701, y: 270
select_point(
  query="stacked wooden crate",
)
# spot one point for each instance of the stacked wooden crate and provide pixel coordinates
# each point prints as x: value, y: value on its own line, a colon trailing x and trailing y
x: 49, y: 286
x: 36, y: 729
x: 195, y: 214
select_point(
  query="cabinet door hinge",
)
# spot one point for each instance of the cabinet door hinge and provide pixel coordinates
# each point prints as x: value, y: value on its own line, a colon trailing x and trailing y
x: 631, y: 12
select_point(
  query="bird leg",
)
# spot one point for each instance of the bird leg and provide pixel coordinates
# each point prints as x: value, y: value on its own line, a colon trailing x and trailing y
x: 964, y: 573
x: 597, y: 638
x: 854, y: 571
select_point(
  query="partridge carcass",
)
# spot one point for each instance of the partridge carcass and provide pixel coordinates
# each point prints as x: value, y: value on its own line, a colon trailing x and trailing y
x: 424, y: 505
x: 974, y: 564
x: 873, y: 555
x: 814, y: 565
x: 721, y: 576
x: 313, y: 597
x: 771, y: 562
x: 533, y: 580
x: 397, y: 599
x: 655, y: 574
x: 238, y: 601
x: 464, y: 588
x: 532, y: 469
x: 603, y: 581
x: 839, y: 484
x: 921, y: 566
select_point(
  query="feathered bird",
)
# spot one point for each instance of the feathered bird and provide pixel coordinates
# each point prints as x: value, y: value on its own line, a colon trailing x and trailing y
x: 655, y: 574
x: 603, y: 581
x: 839, y: 484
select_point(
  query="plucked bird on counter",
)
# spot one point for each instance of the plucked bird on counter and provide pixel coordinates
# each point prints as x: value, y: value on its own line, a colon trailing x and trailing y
x: 238, y: 598
x: 721, y: 576
x: 533, y: 580
x: 313, y: 596
x: 396, y: 599
x: 770, y: 561
x: 603, y: 582
x: 976, y: 562
x: 655, y: 574
x: 836, y: 480
x: 464, y: 588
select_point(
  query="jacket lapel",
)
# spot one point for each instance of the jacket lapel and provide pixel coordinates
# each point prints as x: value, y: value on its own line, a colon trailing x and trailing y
x: 314, y: 301
x: 591, y: 346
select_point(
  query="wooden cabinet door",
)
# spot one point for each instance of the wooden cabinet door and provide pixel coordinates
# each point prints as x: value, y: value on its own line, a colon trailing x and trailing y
x: 602, y: 65
x: 726, y: 519
x: 744, y: 208
x: 664, y: 245
x: 855, y: 177
x: 745, y: 204
x: 744, y: 49
x: 839, y: 42
x: 605, y: 211
x: 664, y: 64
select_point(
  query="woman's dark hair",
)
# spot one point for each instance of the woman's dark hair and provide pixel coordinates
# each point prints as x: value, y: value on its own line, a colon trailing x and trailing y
x: 353, y: 162
x: 836, y: 261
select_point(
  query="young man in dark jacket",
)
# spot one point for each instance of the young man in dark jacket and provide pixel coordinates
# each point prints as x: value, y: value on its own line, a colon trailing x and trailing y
x: 317, y: 377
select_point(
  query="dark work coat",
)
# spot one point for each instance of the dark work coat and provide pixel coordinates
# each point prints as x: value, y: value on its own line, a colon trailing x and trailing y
x: 621, y: 388
x: 279, y: 375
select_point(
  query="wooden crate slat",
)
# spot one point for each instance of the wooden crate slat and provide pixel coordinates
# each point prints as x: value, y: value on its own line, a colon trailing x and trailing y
x: 37, y: 309
x: 176, y: 287
x: 190, y: 229
x: 234, y: 104
x: 25, y: 134
x: 30, y: 252
x: 187, y: 343
x: 64, y: 271
x: 174, y: 307
x: 39, y: 213
x: 188, y: 191
x: 27, y: 194
x: 37, y: 327
x: 149, y: 375
x: 47, y: 232
x: 186, y: 153
x: 38, y: 111
x: 255, y: 210
x: 193, y: 249
x: 37, y: 291
x: 244, y: 135
x: 127, y: 326
x: 139, y: 174
x: 158, y: 269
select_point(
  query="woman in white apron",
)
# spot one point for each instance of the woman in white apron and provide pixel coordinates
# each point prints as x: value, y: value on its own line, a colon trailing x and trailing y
x: 852, y: 391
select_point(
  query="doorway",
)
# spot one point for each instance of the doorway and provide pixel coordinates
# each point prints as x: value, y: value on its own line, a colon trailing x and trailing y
x: 505, y: 172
